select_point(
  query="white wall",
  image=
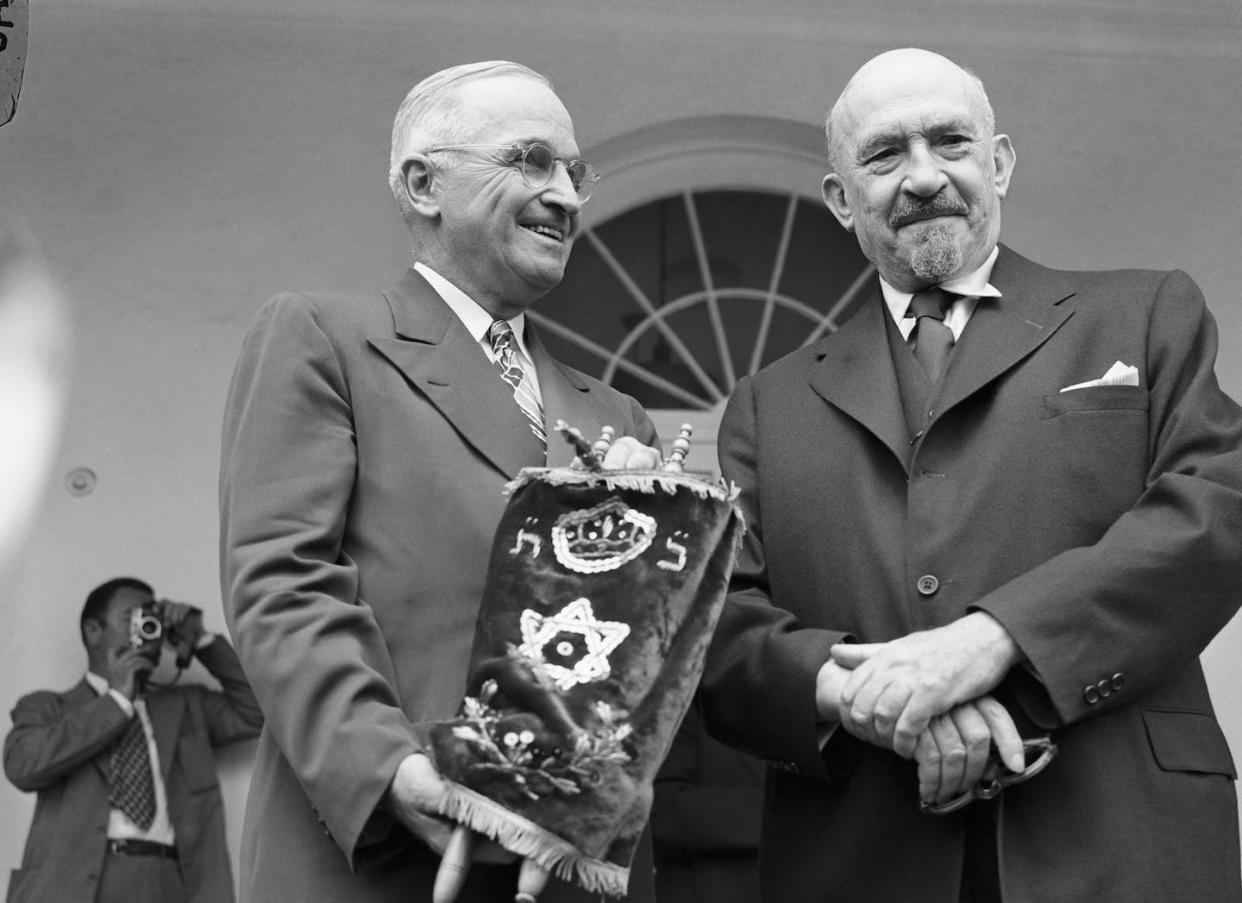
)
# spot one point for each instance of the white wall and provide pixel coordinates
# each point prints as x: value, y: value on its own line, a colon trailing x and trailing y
x: 181, y: 166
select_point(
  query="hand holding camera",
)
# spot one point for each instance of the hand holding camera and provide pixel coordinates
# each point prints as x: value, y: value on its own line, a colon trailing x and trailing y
x: 128, y: 670
x: 179, y: 625
x: 183, y: 627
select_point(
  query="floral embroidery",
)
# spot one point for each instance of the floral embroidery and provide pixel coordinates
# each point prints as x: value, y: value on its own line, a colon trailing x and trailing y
x: 505, y: 747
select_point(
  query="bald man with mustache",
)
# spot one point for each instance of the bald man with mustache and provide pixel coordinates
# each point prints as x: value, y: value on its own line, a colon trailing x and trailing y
x: 993, y: 523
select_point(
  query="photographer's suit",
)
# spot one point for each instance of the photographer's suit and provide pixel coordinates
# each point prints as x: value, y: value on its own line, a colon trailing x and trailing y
x: 367, y: 442
x: 59, y: 748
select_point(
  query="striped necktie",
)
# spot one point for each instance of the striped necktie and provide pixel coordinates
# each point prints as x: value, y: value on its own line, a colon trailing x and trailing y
x: 131, y: 787
x: 506, y: 360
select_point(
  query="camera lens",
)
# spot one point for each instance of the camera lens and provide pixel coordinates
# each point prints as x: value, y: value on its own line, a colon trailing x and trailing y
x: 144, y: 627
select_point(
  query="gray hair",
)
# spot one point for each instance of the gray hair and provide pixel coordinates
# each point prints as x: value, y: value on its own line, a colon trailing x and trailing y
x: 431, y: 115
x: 832, y: 138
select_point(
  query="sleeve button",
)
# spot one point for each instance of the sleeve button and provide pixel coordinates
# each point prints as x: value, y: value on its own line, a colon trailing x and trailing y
x: 1091, y: 693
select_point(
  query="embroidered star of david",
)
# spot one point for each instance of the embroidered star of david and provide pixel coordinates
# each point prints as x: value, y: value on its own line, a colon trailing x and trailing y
x: 572, y: 645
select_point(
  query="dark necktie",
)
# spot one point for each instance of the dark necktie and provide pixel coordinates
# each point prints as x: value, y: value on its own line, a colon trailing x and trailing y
x: 506, y: 360
x: 131, y: 786
x: 931, y: 340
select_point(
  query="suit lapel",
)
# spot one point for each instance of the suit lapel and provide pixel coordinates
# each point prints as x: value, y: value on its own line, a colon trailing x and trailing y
x: 566, y: 396
x: 165, y: 711
x: 1003, y: 332
x: 439, y: 358
x: 855, y: 374
x: 79, y: 695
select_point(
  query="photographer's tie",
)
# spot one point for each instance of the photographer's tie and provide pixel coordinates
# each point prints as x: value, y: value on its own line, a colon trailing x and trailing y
x: 931, y: 340
x: 506, y: 360
x: 131, y: 786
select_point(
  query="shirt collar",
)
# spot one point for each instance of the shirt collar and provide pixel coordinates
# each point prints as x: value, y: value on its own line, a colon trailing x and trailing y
x: 974, y: 284
x: 476, y: 320
x: 98, y: 684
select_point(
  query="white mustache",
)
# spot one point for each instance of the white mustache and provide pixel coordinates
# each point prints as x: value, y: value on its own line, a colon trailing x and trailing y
x: 908, y: 212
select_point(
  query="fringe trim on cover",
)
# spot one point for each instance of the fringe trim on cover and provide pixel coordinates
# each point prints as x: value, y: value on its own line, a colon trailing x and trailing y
x: 522, y: 836
x: 644, y: 481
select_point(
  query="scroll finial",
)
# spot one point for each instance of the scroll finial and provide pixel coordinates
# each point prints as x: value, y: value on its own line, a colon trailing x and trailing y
x: 681, y: 447
x: 584, y: 453
x: 603, y: 443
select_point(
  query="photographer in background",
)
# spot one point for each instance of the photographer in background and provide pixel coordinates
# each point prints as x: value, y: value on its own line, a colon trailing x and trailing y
x: 129, y: 806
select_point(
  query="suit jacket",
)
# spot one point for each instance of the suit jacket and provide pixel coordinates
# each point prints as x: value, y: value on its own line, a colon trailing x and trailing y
x: 1099, y: 526
x: 59, y: 748
x: 705, y: 820
x: 367, y: 441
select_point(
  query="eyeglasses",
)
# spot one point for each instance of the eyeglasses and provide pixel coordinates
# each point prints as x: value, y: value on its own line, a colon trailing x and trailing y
x: 537, y: 163
x: 996, y: 778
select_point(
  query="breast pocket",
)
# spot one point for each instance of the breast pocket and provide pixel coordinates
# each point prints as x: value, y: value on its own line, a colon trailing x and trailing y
x: 197, y: 762
x: 1096, y: 398
x: 1095, y: 447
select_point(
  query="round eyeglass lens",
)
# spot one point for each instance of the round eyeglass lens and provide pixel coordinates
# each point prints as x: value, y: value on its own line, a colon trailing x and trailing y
x: 538, y: 162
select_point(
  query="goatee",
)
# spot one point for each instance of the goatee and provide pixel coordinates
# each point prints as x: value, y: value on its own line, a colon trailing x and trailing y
x: 936, y: 255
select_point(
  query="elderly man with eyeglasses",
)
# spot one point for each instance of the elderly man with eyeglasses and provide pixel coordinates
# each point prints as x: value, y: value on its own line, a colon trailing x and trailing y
x: 367, y: 440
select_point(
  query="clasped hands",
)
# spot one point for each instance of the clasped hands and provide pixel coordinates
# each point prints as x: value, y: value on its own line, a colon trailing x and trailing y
x: 926, y: 697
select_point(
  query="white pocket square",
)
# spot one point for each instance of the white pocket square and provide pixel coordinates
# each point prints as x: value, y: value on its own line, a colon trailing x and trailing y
x: 1118, y: 374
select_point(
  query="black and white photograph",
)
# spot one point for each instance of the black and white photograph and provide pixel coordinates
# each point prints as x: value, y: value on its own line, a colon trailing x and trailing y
x: 674, y: 451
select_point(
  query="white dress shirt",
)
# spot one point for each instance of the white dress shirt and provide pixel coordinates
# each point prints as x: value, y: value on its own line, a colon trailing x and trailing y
x: 971, y: 286
x: 120, y: 825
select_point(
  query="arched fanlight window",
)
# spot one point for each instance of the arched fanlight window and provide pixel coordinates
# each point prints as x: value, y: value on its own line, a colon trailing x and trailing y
x: 707, y: 254
x: 676, y: 299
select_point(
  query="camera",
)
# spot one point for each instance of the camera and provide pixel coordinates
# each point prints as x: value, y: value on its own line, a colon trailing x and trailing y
x: 147, y: 624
